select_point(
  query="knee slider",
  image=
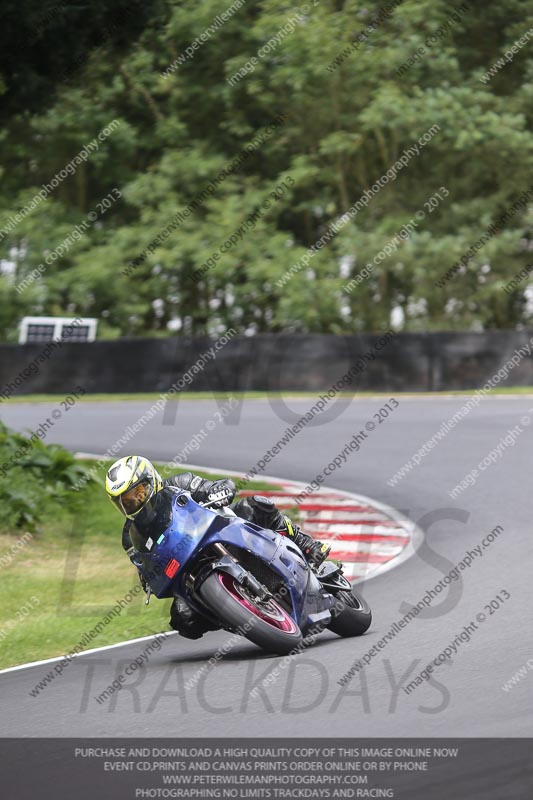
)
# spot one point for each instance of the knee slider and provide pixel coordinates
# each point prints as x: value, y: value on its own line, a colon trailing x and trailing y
x: 266, y: 514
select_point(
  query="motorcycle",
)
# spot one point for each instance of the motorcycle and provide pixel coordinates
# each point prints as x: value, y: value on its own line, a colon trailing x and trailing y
x: 244, y: 578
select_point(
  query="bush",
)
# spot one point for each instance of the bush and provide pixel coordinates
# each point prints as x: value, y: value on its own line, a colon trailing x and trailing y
x: 38, y: 476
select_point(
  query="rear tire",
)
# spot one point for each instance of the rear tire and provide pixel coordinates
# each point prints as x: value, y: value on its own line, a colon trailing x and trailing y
x: 353, y: 617
x: 268, y: 625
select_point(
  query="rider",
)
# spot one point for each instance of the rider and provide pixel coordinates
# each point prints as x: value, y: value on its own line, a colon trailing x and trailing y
x: 134, y: 486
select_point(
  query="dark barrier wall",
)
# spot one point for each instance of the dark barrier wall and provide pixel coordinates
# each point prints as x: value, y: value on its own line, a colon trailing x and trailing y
x: 408, y: 362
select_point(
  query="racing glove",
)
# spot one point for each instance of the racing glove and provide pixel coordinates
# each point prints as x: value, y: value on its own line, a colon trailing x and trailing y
x: 221, y: 493
x: 203, y: 490
x: 132, y: 555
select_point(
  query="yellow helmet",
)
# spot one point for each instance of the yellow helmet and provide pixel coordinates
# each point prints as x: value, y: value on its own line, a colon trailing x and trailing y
x: 131, y: 483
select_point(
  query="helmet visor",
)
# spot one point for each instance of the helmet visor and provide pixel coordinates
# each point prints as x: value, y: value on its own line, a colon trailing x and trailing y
x: 132, y: 501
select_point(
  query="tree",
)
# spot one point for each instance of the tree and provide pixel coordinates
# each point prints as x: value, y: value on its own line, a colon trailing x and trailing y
x: 192, y: 86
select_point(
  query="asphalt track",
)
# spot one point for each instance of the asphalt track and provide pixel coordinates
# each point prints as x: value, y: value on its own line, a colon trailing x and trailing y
x: 465, y: 698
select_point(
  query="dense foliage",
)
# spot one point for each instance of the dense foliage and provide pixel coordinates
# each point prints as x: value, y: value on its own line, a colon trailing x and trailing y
x: 185, y: 113
x: 36, y: 478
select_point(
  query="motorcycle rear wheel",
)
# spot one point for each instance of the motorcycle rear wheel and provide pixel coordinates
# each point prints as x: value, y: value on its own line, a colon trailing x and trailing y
x: 265, y: 623
x: 353, y: 617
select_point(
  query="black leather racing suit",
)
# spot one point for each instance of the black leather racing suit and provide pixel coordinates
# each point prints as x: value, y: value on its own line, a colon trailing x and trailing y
x: 256, y: 508
x: 199, y: 488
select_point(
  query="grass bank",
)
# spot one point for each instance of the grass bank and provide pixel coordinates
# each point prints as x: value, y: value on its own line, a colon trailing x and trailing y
x: 61, y: 580
x: 183, y: 396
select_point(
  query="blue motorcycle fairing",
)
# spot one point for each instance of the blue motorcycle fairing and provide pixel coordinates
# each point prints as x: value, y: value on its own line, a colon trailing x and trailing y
x: 192, y: 528
x: 187, y: 525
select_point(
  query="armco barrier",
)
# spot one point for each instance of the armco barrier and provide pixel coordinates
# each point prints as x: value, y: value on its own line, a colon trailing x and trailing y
x: 272, y: 362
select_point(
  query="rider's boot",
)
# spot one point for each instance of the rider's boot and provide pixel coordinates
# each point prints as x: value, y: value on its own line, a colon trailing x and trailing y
x: 314, y: 551
x: 188, y: 622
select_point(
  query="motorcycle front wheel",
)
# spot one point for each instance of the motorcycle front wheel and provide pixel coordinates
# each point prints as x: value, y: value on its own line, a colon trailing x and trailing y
x: 263, y: 622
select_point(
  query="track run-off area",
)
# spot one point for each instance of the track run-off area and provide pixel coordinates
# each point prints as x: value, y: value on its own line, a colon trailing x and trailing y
x: 472, y: 566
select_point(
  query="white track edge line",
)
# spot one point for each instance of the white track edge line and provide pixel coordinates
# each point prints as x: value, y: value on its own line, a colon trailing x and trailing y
x: 87, y: 652
x: 409, y: 550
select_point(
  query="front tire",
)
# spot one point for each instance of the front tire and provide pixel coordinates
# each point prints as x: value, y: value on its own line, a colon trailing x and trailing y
x: 265, y: 623
x: 353, y: 617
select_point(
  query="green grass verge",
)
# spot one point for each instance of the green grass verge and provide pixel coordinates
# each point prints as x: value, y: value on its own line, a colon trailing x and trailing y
x: 74, y: 566
x: 154, y: 396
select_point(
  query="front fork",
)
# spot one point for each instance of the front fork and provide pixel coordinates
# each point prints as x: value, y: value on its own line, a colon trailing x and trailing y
x: 227, y: 563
